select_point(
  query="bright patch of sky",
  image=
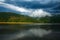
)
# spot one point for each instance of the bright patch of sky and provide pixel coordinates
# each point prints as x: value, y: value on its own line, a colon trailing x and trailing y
x: 2, y: 0
x: 13, y: 7
x: 40, y: 13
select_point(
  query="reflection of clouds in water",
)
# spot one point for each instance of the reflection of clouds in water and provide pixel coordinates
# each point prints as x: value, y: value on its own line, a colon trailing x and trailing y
x: 31, y: 32
x: 40, y: 32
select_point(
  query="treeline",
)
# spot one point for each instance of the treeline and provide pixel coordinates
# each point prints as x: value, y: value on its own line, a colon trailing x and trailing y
x: 55, y: 18
x: 13, y: 17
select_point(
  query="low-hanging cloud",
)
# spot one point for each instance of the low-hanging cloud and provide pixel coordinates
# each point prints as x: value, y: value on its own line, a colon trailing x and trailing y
x: 40, y: 13
x: 30, y: 12
x: 13, y: 7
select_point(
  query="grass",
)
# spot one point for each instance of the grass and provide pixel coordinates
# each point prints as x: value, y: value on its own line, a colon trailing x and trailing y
x: 28, y: 23
x: 16, y: 22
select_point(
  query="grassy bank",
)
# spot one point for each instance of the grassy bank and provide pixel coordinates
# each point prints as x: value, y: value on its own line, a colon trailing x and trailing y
x: 16, y: 23
x: 29, y: 23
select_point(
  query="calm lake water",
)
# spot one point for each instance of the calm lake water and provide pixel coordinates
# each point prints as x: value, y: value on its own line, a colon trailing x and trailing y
x: 29, y: 32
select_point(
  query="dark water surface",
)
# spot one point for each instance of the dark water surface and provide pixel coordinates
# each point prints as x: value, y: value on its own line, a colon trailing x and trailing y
x: 29, y: 32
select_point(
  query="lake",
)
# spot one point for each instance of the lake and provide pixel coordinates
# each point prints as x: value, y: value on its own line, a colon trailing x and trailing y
x: 29, y: 32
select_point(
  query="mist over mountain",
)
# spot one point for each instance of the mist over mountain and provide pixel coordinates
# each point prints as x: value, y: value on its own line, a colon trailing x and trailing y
x: 26, y: 7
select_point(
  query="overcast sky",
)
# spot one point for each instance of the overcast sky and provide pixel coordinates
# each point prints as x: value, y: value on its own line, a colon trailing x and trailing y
x: 42, y: 7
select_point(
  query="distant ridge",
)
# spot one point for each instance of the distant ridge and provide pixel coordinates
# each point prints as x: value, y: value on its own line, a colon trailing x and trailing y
x: 13, y: 17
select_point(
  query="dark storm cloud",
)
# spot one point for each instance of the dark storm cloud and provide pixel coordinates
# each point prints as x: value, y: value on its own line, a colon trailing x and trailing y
x: 55, y: 9
x: 34, y: 4
x: 52, y: 6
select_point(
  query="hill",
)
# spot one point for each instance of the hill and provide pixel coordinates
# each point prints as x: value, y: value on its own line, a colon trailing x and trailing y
x: 13, y: 17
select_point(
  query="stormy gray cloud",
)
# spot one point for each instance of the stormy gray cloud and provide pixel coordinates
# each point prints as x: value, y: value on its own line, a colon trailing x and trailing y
x: 50, y: 6
x: 34, y: 3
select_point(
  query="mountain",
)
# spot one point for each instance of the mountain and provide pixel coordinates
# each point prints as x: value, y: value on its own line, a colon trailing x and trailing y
x: 29, y: 8
x: 13, y: 17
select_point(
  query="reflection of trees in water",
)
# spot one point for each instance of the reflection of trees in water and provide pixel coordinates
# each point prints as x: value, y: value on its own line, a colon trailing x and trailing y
x: 52, y: 27
x: 15, y: 28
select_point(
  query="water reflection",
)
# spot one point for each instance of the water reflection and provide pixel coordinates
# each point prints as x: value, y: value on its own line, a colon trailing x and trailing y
x: 29, y: 32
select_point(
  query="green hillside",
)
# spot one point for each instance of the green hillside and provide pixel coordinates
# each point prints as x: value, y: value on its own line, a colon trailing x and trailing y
x: 13, y: 17
x: 55, y: 18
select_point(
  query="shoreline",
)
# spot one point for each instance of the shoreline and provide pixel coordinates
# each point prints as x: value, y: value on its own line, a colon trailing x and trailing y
x: 15, y: 22
x: 29, y: 23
